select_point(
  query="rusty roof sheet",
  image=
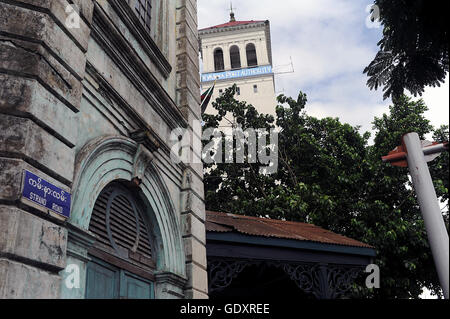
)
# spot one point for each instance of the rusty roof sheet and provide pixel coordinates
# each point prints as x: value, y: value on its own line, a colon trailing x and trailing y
x: 264, y: 227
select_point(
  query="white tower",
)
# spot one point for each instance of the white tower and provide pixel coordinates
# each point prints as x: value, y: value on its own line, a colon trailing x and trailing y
x: 239, y: 52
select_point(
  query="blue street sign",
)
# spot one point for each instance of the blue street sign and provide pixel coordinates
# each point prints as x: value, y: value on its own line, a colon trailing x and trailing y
x: 261, y: 70
x: 43, y: 193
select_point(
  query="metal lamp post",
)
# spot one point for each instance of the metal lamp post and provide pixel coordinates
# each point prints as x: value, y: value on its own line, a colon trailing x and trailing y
x: 415, y: 156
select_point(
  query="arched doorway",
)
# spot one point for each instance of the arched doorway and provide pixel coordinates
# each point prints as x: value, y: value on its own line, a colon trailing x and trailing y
x: 122, y: 263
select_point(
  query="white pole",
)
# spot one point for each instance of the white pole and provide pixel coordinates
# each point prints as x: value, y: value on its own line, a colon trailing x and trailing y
x: 429, y: 206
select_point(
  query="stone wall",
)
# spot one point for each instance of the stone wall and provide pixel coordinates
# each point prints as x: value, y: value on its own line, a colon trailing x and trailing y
x: 63, y: 89
x: 42, y: 64
x: 188, y: 99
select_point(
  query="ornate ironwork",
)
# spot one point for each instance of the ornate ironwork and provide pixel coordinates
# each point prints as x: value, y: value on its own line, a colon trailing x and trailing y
x: 222, y: 272
x: 324, y: 281
x: 304, y: 276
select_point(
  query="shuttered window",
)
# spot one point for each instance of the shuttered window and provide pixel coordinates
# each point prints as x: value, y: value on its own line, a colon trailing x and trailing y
x: 235, y: 57
x: 143, y: 10
x: 252, y: 60
x: 120, y: 227
x: 218, y: 60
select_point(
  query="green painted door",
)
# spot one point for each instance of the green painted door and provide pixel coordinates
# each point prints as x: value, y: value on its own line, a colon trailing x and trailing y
x: 133, y: 287
x: 104, y: 281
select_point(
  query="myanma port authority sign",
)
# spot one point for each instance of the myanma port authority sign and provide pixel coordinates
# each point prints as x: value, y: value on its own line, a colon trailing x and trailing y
x: 234, y: 74
x: 45, y: 194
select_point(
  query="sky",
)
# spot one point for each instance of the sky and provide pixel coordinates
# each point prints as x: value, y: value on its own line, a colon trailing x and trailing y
x: 330, y: 44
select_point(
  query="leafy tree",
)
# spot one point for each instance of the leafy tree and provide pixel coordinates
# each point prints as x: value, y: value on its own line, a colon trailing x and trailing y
x: 330, y: 176
x: 228, y: 186
x: 441, y: 165
x: 390, y: 217
x: 414, y: 49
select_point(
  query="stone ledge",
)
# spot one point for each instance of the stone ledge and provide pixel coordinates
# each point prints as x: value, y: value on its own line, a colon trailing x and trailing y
x: 24, y: 139
x: 195, y: 294
x: 192, y: 204
x: 11, y: 175
x: 39, y: 27
x: 193, y: 227
x: 20, y: 281
x: 198, y: 278
x: 30, y: 61
x: 195, y: 251
x: 25, y: 235
x: 27, y: 98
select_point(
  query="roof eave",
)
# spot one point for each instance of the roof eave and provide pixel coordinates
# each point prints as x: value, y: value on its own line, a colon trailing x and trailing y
x: 239, y: 238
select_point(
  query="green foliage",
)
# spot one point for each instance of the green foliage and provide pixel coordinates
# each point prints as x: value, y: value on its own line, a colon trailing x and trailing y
x: 328, y: 175
x: 441, y: 165
x: 414, y: 49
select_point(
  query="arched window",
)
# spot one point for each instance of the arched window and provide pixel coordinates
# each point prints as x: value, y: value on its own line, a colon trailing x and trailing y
x: 235, y: 57
x: 252, y: 60
x: 218, y: 60
x: 122, y: 259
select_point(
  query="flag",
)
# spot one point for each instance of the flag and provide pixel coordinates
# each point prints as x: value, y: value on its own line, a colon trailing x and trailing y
x: 206, y: 97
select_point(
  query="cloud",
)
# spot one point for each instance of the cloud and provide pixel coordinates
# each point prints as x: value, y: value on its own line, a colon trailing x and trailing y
x: 330, y: 46
x: 437, y: 100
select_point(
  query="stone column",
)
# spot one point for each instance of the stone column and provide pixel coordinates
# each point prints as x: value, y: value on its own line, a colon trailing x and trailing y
x: 243, y: 53
x: 188, y: 99
x: 42, y: 63
x: 227, y: 56
x: 262, y: 52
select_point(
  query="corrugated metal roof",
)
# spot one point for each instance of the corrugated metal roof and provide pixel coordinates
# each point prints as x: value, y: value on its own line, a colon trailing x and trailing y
x: 264, y: 227
x: 232, y: 24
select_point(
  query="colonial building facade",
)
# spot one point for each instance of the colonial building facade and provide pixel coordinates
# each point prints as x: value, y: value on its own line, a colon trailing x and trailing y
x: 91, y: 204
x: 239, y: 52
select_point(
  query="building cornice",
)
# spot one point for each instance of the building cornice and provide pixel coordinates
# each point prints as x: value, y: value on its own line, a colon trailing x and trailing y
x: 253, y: 25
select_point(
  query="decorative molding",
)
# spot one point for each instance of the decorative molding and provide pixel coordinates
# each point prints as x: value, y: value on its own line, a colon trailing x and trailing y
x: 221, y: 272
x: 136, y: 28
x: 144, y: 134
x: 171, y: 278
x: 137, y: 72
x: 146, y: 137
x: 187, y: 179
x: 233, y: 28
x: 324, y: 281
x: 110, y: 158
x: 82, y: 240
x: 142, y: 160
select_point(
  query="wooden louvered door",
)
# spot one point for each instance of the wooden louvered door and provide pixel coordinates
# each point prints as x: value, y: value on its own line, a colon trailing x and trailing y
x: 121, y: 263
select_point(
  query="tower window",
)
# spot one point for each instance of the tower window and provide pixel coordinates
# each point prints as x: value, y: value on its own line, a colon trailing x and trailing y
x: 218, y: 60
x: 235, y: 57
x: 252, y: 60
x: 143, y: 10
